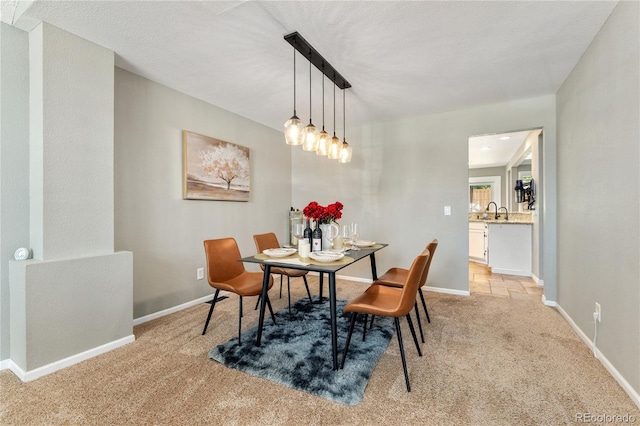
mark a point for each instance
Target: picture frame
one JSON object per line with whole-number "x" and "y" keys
{"x": 213, "y": 169}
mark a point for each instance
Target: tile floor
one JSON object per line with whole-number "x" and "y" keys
{"x": 482, "y": 280}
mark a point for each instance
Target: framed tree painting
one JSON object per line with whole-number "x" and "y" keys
{"x": 213, "y": 169}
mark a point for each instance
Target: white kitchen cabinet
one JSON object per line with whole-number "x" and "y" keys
{"x": 509, "y": 248}
{"x": 478, "y": 242}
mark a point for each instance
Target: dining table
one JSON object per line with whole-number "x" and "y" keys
{"x": 294, "y": 261}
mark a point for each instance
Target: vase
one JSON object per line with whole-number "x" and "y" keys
{"x": 326, "y": 228}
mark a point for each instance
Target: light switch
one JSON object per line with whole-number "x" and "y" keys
{"x": 447, "y": 210}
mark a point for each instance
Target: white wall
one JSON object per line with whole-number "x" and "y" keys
{"x": 404, "y": 172}
{"x": 14, "y": 161}
{"x": 164, "y": 231}
{"x": 598, "y": 156}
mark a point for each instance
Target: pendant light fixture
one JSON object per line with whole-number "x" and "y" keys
{"x": 309, "y": 137}
{"x": 310, "y": 133}
{"x": 334, "y": 145}
{"x": 324, "y": 139}
{"x": 293, "y": 126}
{"x": 345, "y": 151}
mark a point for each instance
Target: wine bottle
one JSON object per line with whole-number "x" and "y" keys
{"x": 308, "y": 232}
{"x": 316, "y": 244}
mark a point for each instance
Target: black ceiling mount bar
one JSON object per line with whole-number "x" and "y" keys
{"x": 312, "y": 55}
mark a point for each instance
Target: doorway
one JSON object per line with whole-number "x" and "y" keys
{"x": 508, "y": 156}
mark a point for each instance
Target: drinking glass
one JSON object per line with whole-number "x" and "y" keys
{"x": 353, "y": 230}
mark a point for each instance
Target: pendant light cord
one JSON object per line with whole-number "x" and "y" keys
{"x": 294, "y": 81}
{"x": 323, "y": 96}
{"x": 344, "y": 115}
{"x": 334, "y": 109}
{"x": 310, "y": 88}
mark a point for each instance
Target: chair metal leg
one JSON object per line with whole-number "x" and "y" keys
{"x": 213, "y": 304}
{"x": 413, "y": 333}
{"x": 364, "y": 327}
{"x": 240, "y": 320}
{"x": 270, "y": 309}
{"x": 289, "y": 294}
{"x": 424, "y": 305}
{"x": 418, "y": 320}
{"x": 404, "y": 361}
{"x": 371, "y": 324}
{"x": 304, "y": 277}
{"x": 258, "y": 302}
{"x": 280, "y": 286}
{"x": 354, "y": 316}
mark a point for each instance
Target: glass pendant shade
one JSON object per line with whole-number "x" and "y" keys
{"x": 334, "y": 148}
{"x": 324, "y": 140}
{"x": 345, "y": 153}
{"x": 293, "y": 131}
{"x": 310, "y": 137}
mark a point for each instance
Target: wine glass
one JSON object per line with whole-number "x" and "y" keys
{"x": 298, "y": 232}
{"x": 332, "y": 233}
{"x": 353, "y": 231}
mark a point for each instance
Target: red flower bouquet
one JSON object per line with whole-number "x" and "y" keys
{"x": 323, "y": 214}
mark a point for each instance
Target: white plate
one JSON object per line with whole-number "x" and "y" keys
{"x": 279, "y": 252}
{"x": 363, "y": 243}
{"x": 325, "y": 256}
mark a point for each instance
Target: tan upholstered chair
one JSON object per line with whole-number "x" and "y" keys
{"x": 269, "y": 241}
{"x": 224, "y": 272}
{"x": 395, "y": 277}
{"x": 393, "y": 302}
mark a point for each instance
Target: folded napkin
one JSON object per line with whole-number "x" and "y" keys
{"x": 289, "y": 261}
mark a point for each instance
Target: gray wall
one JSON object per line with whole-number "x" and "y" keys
{"x": 599, "y": 238}
{"x": 76, "y": 294}
{"x": 404, "y": 172}
{"x": 165, "y": 232}
{"x": 14, "y": 161}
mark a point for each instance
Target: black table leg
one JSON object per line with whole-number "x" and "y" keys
{"x": 374, "y": 272}
{"x": 334, "y": 319}
{"x": 263, "y": 300}
{"x": 321, "y": 287}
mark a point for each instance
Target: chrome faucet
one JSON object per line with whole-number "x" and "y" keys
{"x": 506, "y": 215}
{"x": 489, "y": 205}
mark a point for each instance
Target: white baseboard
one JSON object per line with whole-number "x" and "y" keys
{"x": 448, "y": 291}
{"x": 548, "y": 302}
{"x": 27, "y": 376}
{"x": 517, "y": 272}
{"x": 174, "y": 309}
{"x": 633, "y": 394}
{"x": 537, "y": 280}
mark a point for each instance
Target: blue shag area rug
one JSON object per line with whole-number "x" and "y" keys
{"x": 297, "y": 353}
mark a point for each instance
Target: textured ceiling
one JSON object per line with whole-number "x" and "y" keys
{"x": 402, "y": 58}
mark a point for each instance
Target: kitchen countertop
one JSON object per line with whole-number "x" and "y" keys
{"x": 502, "y": 221}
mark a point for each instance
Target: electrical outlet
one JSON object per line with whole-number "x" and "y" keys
{"x": 200, "y": 273}
{"x": 598, "y": 312}
{"x": 447, "y": 210}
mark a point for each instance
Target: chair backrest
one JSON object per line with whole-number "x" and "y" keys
{"x": 222, "y": 260}
{"x": 411, "y": 284}
{"x": 431, "y": 248}
{"x": 266, "y": 241}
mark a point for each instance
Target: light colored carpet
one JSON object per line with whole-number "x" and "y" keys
{"x": 487, "y": 360}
